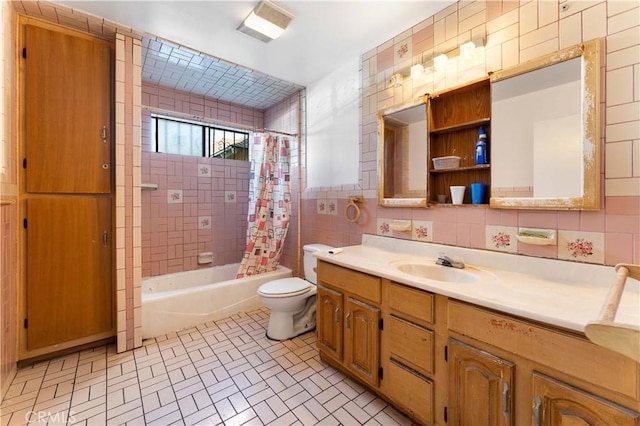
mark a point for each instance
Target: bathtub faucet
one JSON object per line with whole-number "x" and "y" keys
{"x": 445, "y": 260}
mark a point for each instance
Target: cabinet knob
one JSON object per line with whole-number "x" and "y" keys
{"x": 346, "y": 318}
{"x": 336, "y": 315}
{"x": 103, "y": 134}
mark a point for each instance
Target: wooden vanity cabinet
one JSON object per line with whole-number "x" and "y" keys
{"x": 408, "y": 350}
{"x": 444, "y": 361}
{"x": 557, "y": 377}
{"x": 348, "y": 321}
{"x": 480, "y": 387}
{"x": 329, "y": 322}
{"x": 559, "y": 404}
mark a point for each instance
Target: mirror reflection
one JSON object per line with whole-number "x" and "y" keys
{"x": 544, "y": 136}
{"x": 403, "y": 171}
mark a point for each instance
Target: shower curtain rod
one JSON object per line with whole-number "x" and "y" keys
{"x": 276, "y": 131}
{"x": 213, "y": 121}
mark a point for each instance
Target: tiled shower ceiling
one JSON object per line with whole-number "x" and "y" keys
{"x": 177, "y": 67}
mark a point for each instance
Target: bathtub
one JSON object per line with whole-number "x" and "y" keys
{"x": 177, "y": 301}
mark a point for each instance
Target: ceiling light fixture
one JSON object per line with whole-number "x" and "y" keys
{"x": 266, "y": 22}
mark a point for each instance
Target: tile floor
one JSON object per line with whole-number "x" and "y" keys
{"x": 223, "y": 372}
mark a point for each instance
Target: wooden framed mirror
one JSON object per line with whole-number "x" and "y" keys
{"x": 545, "y": 132}
{"x": 402, "y": 147}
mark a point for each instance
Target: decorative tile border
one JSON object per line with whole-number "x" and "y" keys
{"x": 422, "y": 231}
{"x": 204, "y": 222}
{"x": 230, "y": 197}
{"x": 174, "y": 196}
{"x": 581, "y": 246}
{"x": 501, "y": 238}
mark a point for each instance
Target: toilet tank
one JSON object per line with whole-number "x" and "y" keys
{"x": 310, "y": 261}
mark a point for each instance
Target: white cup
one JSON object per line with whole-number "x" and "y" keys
{"x": 457, "y": 194}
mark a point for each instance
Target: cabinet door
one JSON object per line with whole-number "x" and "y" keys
{"x": 480, "y": 387}
{"x": 69, "y": 289}
{"x": 67, "y": 110}
{"x": 329, "y": 322}
{"x": 558, "y": 404}
{"x": 362, "y": 340}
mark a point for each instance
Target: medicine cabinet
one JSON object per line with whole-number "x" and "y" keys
{"x": 402, "y": 147}
{"x": 545, "y": 137}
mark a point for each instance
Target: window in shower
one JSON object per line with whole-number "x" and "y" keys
{"x": 184, "y": 137}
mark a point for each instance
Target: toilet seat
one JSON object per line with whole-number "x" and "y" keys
{"x": 285, "y": 287}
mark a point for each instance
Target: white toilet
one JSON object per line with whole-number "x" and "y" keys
{"x": 293, "y": 300}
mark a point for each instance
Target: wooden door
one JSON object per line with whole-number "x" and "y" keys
{"x": 558, "y": 404}
{"x": 67, "y": 104}
{"x": 480, "y": 387}
{"x": 69, "y": 289}
{"x": 329, "y": 322}
{"x": 362, "y": 340}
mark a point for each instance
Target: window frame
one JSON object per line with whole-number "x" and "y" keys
{"x": 208, "y": 131}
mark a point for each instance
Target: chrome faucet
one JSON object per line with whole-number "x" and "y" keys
{"x": 445, "y": 260}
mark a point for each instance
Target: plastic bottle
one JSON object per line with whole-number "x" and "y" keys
{"x": 481, "y": 147}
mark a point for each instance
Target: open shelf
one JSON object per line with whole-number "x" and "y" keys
{"x": 461, "y": 169}
{"x": 462, "y": 126}
{"x": 455, "y": 117}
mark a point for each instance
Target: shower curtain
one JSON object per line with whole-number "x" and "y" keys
{"x": 269, "y": 203}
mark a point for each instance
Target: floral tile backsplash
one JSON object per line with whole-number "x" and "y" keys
{"x": 204, "y": 222}
{"x": 230, "y": 197}
{"x": 422, "y": 231}
{"x": 581, "y": 246}
{"x": 174, "y": 196}
{"x": 204, "y": 170}
{"x": 384, "y": 227}
{"x": 327, "y": 206}
{"x": 501, "y": 238}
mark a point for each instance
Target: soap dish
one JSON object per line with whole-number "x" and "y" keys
{"x": 537, "y": 237}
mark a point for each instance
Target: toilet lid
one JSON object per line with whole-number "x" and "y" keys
{"x": 285, "y": 286}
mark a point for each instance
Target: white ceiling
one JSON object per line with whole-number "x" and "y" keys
{"x": 323, "y": 35}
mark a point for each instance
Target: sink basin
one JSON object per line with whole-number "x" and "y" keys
{"x": 429, "y": 270}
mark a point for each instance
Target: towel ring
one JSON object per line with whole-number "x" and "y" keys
{"x": 351, "y": 205}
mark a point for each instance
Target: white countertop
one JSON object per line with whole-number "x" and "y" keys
{"x": 561, "y": 293}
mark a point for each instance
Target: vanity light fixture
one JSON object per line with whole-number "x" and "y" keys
{"x": 467, "y": 50}
{"x": 440, "y": 62}
{"x": 266, "y": 22}
{"x": 396, "y": 80}
{"x": 417, "y": 70}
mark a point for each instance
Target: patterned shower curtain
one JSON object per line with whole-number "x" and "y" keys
{"x": 269, "y": 203}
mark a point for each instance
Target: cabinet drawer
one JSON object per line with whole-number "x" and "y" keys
{"x": 415, "y": 303}
{"x": 410, "y": 344}
{"x": 411, "y": 391}
{"x": 356, "y": 283}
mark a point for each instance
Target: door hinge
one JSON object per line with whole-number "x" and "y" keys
{"x": 26, "y": 323}
{"x": 24, "y": 223}
{"x": 381, "y": 324}
{"x": 380, "y": 373}
{"x": 24, "y": 163}
{"x": 446, "y": 415}
{"x": 446, "y": 353}
{"x": 24, "y": 52}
